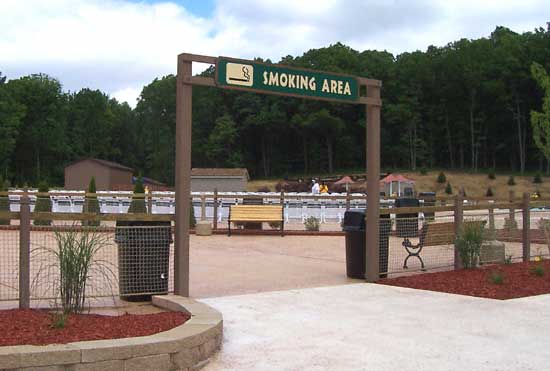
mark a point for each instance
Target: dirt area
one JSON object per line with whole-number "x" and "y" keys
{"x": 518, "y": 280}
{"x": 474, "y": 184}
{"x": 35, "y": 327}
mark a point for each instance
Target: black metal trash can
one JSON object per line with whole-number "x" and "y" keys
{"x": 143, "y": 258}
{"x": 354, "y": 226}
{"x": 406, "y": 225}
{"x": 429, "y": 200}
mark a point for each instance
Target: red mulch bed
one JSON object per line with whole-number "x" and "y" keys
{"x": 34, "y": 327}
{"x": 518, "y": 281}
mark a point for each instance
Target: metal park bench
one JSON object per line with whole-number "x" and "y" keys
{"x": 432, "y": 234}
{"x": 256, "y": 213}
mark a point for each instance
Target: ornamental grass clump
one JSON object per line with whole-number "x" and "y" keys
{"x": 76, "y": 258}
{"x": 312, "y": 224}
{"x": 469, "y": 241}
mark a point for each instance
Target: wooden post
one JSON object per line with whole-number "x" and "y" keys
{"x": 372, "y": 253}
{"x": 203, "y": 207}
{"x": 149, "y": 202}
{"x": 492, "y": 232}
{"x": 348, "y": 200}
{"x": 526, "y": 232}
{"x": 215, "y": 208}
{"x": 24, "y": 252}
{"x": 184, "y": 101}
{"x": 512, "y": 211}
{"x": 458, "y": 215}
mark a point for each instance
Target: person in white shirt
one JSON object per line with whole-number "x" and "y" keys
{"x": 315, "y": 187}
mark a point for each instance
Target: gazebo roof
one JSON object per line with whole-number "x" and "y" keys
{"x": 344, "y": 180}
{"x": 396, "y": 178}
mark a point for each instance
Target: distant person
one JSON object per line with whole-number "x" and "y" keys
{"x": 323, "y": 189}
{"x": 315, "y": 188}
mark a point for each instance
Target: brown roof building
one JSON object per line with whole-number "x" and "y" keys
{"x": 108, "y": 175}
{"x": 222, "y": 179}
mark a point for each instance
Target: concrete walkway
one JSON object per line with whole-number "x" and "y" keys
{"x": 376, "y": 327}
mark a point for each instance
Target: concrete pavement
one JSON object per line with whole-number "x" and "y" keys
{"x": 377, "y": 327}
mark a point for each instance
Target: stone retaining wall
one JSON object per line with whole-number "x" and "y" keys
{"x": 186, "y": 347}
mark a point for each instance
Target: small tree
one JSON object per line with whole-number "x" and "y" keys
{"x": 43, "y": 204}
{"x": 4, "y": 203}
{"x": 449, "y": 189}
{"x": 489, "y": 192}
{"x": 492, "y": 175}
{"x": 441, "y": 178}
{"x": 91, "y": 204}
{"x": 511, "y": 181}
{"x": 423, "y": 170}
{"x": 540, "y": 121}
{"x": 138, "y": 202}
{"x": 537, "y": 179}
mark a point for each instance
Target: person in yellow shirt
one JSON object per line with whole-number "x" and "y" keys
{"x": 323, "y": 188}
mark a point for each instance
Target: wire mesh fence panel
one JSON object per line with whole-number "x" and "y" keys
{"x": 9, "y": 264}
{"x": 540, "y": 233}
{"x": 123, "y": 261}
{"x": 419, "y": 244}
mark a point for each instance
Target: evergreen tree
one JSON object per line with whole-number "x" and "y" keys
{"x": 43, "y": 203}
{"x": 4, "y": 203}
{"x": 91, "y": 204}
{"x": 138, "y": 202}
{"x": 449, "y": 189}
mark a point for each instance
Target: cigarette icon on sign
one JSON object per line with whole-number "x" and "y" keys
{"x": 239, "y": 74}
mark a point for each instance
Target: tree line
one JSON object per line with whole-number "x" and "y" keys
{"x": 466, "y": 105}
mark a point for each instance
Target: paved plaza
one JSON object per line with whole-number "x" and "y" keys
{"x": 377, "y": 327}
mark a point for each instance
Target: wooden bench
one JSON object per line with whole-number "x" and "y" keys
{"x": 256, "y": 213}
{"x": 432, "y": 234}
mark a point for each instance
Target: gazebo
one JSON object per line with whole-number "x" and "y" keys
{"x": 396, "y": 183}
{"x": 345, "y": 180}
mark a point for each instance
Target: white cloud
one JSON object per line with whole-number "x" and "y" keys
{"x": 119, "y": 46}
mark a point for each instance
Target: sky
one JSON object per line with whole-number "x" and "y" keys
{"x": 118, "y": 46}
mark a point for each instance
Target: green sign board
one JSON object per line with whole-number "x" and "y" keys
{"x": 284, "y": 80}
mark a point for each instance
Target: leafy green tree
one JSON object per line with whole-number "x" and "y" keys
{"x": 11, "y": 113}
{"x": 137, "y": 206}
{"x": 327, "y": 127}
{"x": 42, "y": 143}
{"x": 222, "y": 144}
{"x": 540, "y": 121}
{"x": 43, "y": 203}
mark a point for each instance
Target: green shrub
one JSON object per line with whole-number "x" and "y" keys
{"x": 192, "y": 219}
{"x": 508, "y": 259}
{"x": 59, "y": 320}
{"x": 496, "y": 277}
{"x": 4, "y": 203}
{"x": 492, "y": 175}
{"x": 441, "y": 178}
{"x": 449, "y": 189}
{"x": 510, "y": 225}
{"x": 423, "y": 171}
{"x": 469, "y": 241}
{"x": 489, "y": 192}
{"x": 537, "y": 179}
{"x": 537, "y": 270}
{"x": 91, "y": 205}
{"x": 138, "y": 202}
{"x": 511, "y": 181}
{"x": 312, "y": 224}
{"x": 43, "y": 204}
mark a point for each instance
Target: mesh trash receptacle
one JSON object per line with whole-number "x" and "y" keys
{"x": 406, "y": 225}
{"x": 143, "y": 258}
{"x": 354, "y": 226}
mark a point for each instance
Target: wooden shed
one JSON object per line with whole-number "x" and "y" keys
{"x": 223, "y": 179}
{"x": 108, "y": 175}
